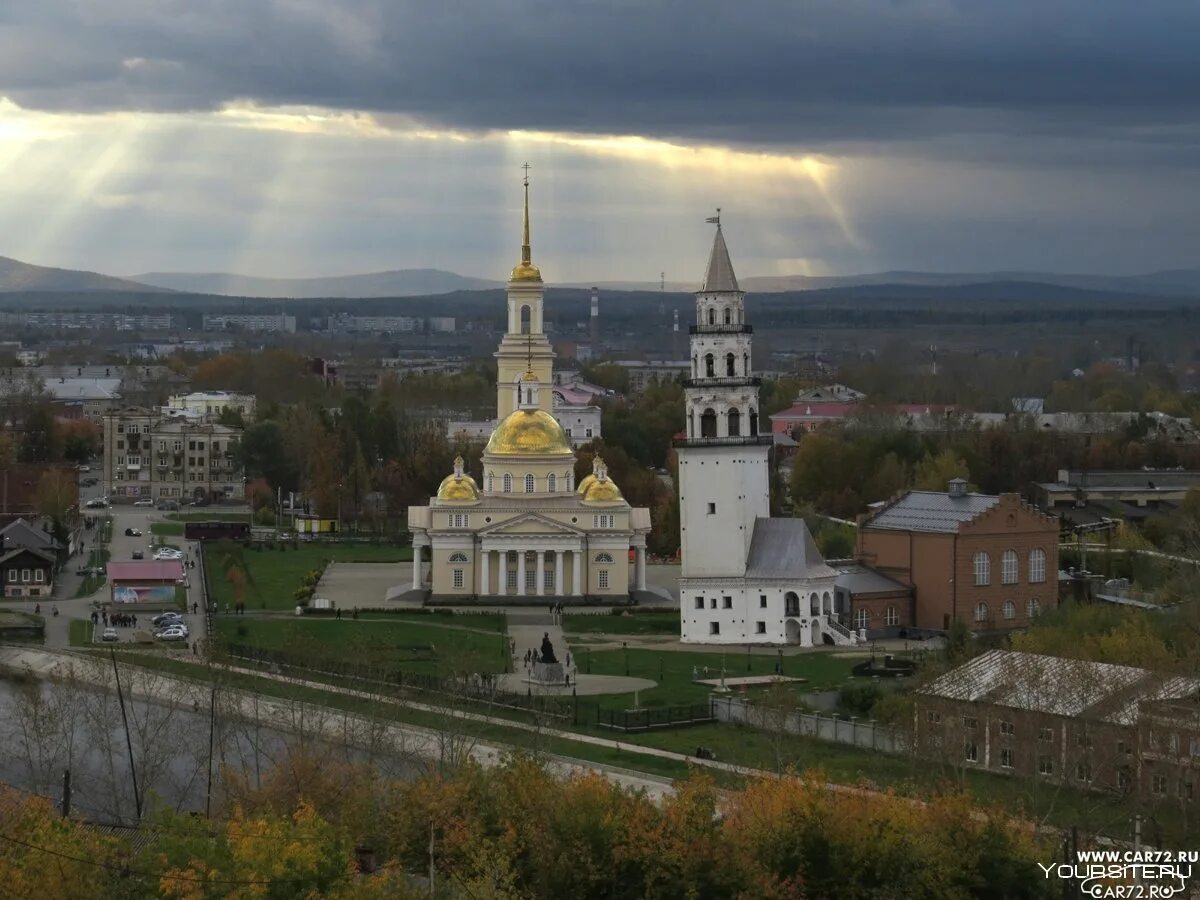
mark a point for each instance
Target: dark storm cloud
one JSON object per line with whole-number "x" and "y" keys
{"x": 840, "y": 73}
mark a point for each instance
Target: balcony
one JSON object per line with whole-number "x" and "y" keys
{"x": 745, "y": 440}
{"x": 723, "y": 381}
{"x": 721, "y": 329}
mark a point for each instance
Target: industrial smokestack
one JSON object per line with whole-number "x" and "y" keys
{"x": 675, "y": 334}
{"x": 595, "y": 319}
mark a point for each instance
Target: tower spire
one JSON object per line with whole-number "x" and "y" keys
{"x": 525, "y": 270}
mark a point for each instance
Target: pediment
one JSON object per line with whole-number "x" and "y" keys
{"x": 529, "y": 523}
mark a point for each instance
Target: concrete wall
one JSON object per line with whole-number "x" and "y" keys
{"x": 866, "y": 734}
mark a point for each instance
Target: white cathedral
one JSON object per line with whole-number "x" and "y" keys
{"x": 746, "y": 578}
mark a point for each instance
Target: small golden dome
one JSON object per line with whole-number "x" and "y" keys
{"x": 458, "y": 487}
{"x": 602, "y": 490}
{"x": 530, "y": 375}
{"x": 587, "y": 482}
{"x": 525, "y": 272}
{"x": 529, "y": 432}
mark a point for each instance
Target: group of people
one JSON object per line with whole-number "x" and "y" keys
{"x": 117, "y": 619}
{"x": 337, "y": 612}
{"x": 556, "y": 613}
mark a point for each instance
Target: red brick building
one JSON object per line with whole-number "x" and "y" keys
{"x": 988, "y": 561}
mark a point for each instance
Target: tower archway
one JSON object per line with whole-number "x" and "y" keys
{"x": 735, "y": 423}
{"x": 708, "y": 423}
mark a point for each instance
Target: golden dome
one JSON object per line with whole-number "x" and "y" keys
{"x": 525, "y": 271}
{"x": 529, "y": 432}
{"x": 458, "y": 487}
{"x": 601, "y": 490}
{"x": 585, "y": 484}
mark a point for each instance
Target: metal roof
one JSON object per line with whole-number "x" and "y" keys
{"x": 784, "y": 548}
{"x": 146, "y": 570}
{"x": 931, "y": 511}
{"x": 1057, "y": 685}
{"x": 719, "y": 274}
{"x": 859, "y": 579}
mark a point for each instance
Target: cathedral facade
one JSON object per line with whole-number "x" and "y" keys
{"x": 528, "y": 533}
{"x": 746, "y": 578}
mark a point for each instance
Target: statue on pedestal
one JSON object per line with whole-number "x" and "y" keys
{"x": 547, "y": 649}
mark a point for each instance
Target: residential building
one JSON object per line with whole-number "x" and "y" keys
{"x": 210, "y": 404}
{"x": 1094, "y": 726}
{"x": 84, "y": 398}
{"x": 645, "y": 372}
{"x": 1128, "y": 494}
{"x": 27, "y": 535}
{"x": 151, "y": 456}
{"x": 27, "y": 572}
{"x": 809, "y": 415}
{"x": 874, "y": 604}
{"x": 990, "y": 562}
{"x": 746, "y": 578}
{"x": 527, "y": 532}
{"x": 98, "y": 321}
{"x": 279, "y": 322}
{"x": 348, "y": 324}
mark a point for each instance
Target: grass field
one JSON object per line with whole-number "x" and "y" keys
{"x": 674, "y": 671}
{"x": 167, "y": 529}
{"x": 209, "y": 516}
{"x": 418, "y": 644}
{"x": 666, "y": 622}
{"x": 275, "y": 574}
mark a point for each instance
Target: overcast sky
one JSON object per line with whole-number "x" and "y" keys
{"x": 309, "y": 137}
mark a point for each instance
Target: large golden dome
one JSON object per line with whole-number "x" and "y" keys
{"x": 529, "y": 432}
{"x": 458, "y": 487}
{"x": 525, "y": 271}
{"x": 601, "y": 490}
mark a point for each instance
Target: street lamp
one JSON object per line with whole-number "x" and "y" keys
{"x": 625, "y": 647}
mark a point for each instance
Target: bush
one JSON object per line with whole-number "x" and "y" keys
{"x": 858, "y": 697}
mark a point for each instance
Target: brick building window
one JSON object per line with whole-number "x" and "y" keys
{"x": 1006, "y": 758}
{"x": 1083, "y": 771}
{"x": 1010, "y": 609}
{"x": 971, "y": 752}
{"x": 1032, "y": 608}
{"x": 934, "y": 718}
{"x": 860, "y": 618}
{"x": 1007, "y": 728}
{"x": 981, "y": 611}
{"x": 892, "y": 617}
{"x": 1045, "y": 765}
{"x": 1008, "y": 567}
{"x": 970, "y": 722}
{"x": 1037, "y": 566}
{"x": 1159, "y": 784}
{"x": 983, "y": 569}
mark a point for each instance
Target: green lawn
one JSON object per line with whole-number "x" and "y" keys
{"x": 275, "y": 574}
{"x": 167, "y": 529}
{"x": 209, "y": 516}
{"x": 666, "y": 622}
{"x": 79, "y": 632}
{"x": 673, "y": 670}
{"x": 417, "y": 644}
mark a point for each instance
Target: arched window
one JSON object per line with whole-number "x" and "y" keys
{"x": 1037, "y": 566}
{"x": 529, "y": 484}
{"x": 892, "y": 617}
{"x": 712, "y": 316}
{"x": 983, "y": 568}
{"x": 730, "y": 365}
{"x": 814, "y": 605}
{"x": 727, "y": 319}
{"x": 551, "y": 483}
{"x": 491, "y": 482}
{"x": 1008, "y": 567}
{"x": 827, "y": 603}
{"x": 526, "y": 319}
{"x": 981, "y": 611}
{"x": 860, "y": 618}
{"x": 745, "y": 363}
{"x": 458, "y": 557}
{"x": 604, "y": 557}
{"x": 507, "y": 483}
{"x": 1010, "y": 609}
{"x": 791, "y": 604}
{"x": 753, "y": 422}
{"x": 1032, "y": 608}
{"x": 570, "y": 478}
{"x": 695, "y": 367}
{"x": 709, "y": 365}
{"x": 708, "y": 423}
{"x": 735, "y": 423}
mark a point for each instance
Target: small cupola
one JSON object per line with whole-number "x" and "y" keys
{"x": 527, "y": 391}
{"x": 957, "y": 487}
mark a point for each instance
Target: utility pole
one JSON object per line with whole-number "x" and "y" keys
{"x": 66, "y": 794}
{"x": 137, "y": 797}
{"x": 212, "y": 727}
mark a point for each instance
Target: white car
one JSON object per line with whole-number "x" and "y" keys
{"x": 174, "y": 633}
{"x": 163, "y": 554}
{"x": 146, "y": 502}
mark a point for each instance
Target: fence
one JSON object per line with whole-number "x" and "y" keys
{"x": 869, "y": 734}
{"x": 656, "y": 717}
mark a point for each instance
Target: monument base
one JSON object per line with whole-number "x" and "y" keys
{"x": 547, "y": 673}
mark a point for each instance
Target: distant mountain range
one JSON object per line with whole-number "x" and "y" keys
{"x": 395, "y": 283}
{"x": 18, "y": 276}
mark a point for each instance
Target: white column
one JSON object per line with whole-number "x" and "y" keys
{"x": 501, "y": 572}
{"x": 640, "y": 567}
{"x": 417, "y": 565}
{"x": 520, "y": 573}
{"x": 558, "y": 573}
{"x": 485, "y": 574}
{"x": 539, "y": 578}
{"x": 577, "y": 573}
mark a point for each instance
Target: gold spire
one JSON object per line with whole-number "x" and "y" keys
{"x": 525, "y": 270}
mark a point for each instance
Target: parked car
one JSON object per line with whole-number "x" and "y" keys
{"x": 178, "y": 633}
{"x": 133, "y": 532}
{"x": 167, "y": 505}
{"x": 85, "y": 468}
{"x": 110, "y": 634}
{"x": 164, "y": 555}
{"x": 137, "y": 554}
{"x": 146, "y": 502}
{"x": 96, "y": 503}
{"x": 166, "y": 618}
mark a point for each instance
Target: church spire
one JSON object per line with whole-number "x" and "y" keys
{"x": 719, "y": 274}
{"x": 525, "y": 270}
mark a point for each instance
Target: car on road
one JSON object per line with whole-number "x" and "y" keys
{"x": 176, "y": 633}
{"x": 168, "y": 553}
{"x": 85, "y": 468}
{"x": 168, "y": 505}
{"x": 110, "y": 634}
{"x": 133, "y": 532}
{"x": 137, "y": 554}
{"x": 85, "y": 571}
{"x": 96, "y": 503}
{"x": 146, "y": 502}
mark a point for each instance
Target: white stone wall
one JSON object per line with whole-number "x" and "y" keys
{"x": 722, "y": 490}
{"x": 738, "y": 622}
